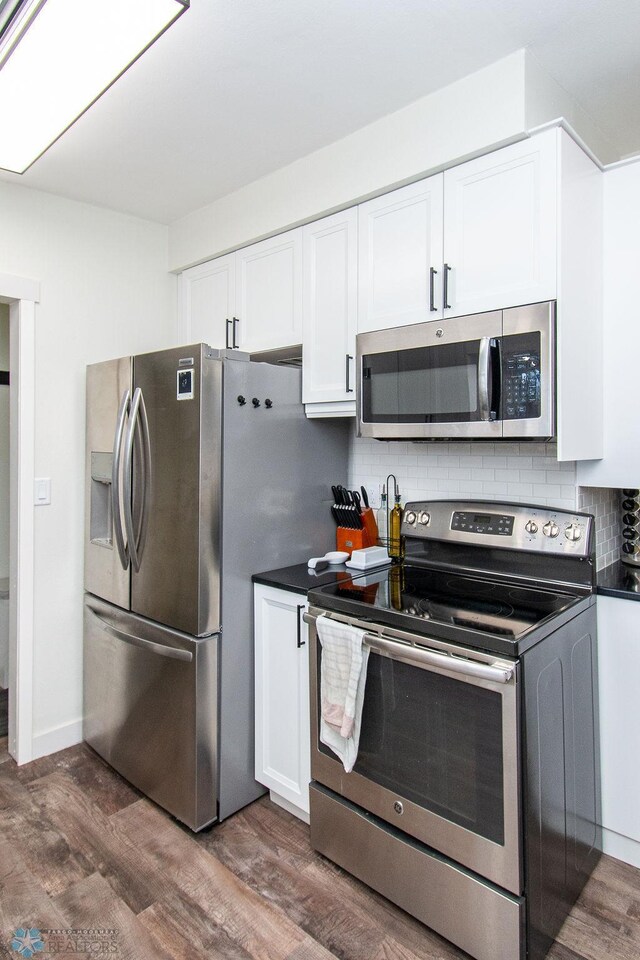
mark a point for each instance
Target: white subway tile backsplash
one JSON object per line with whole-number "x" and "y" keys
{"x": 479, "y": 470}
{"x": 606, "y": 506}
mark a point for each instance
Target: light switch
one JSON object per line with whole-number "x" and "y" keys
{"x": 42, "y": 493}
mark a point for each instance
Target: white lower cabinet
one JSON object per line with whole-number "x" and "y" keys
{"x": 282, "y": 697}
{"x": 618, "y": 671}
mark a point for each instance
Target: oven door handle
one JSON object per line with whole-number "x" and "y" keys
{"x": 430, "y": 658}
{"x": 420, "y": 657}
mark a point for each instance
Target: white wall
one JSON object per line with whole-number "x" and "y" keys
{"x": 105, "y": 291}
{"x": 4, "y": 445}
{"x": 463, "y": 119}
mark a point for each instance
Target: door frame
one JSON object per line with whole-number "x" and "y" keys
{"x": 22, "y": 295}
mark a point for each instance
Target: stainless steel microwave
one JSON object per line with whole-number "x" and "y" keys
{"x": 485, "y": 376}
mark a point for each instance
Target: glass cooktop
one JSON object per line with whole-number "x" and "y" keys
{"x": 444, "y": 597}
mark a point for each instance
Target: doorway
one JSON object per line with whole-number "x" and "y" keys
{"x": 21, "y": 295}
{"x": 4, "y": 519}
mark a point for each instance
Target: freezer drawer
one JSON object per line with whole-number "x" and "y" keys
{"x": 150, "y": 708}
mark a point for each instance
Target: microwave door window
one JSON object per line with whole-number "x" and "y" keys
{"x": 422, "y": 385}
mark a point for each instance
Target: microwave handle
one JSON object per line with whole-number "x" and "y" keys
{"x": 486, "y": 408}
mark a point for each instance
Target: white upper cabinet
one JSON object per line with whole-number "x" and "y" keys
{"x": 330, "y": 304}
{"x": 481, "y": 236}
{"x": 500, "y": 228}
{"x": 207, "y": 302}
{"x": 400, "y": 257}
{"x": 269, "y": 293}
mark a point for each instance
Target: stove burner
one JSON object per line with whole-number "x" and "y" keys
{"x": 475, "y": 587}
{"x": 467, "y": 606}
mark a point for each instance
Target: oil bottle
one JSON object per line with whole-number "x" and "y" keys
{"x": 396, "y": 542}
{"x": 382, "y": 518}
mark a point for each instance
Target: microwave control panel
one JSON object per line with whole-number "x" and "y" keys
{"x": 521, "y": 387}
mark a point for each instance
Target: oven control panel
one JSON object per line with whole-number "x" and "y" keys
{"x": 499, "y": 524}
{"x": 507, "y": 525}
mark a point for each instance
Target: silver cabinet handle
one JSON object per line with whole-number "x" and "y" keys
{"x": 299, "y": 641}
{"x": 138, "y": 413}
{"x": 173, "y": 653}
{"x": 116, "y": 512}
{"x": 348, "y": 389}
{"x": 432, "y": 290}
{"x": 445, "y": 287}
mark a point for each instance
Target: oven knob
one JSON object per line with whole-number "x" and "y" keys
{"x": 410, "y": 517}
{"x": 531, "y": 526}
{"x": 424, "y": 518}
{"x": 572, "y": 532}
{"x": 551, "y": 529}
{"x": 398, "y": 807}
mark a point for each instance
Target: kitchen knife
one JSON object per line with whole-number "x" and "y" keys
{"x": 365, "y": 497}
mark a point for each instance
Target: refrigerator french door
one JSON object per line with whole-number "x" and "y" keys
{"x": 151, "y": 503}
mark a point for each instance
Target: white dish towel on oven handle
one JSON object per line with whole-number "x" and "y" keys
{"x": 343, "y": 674}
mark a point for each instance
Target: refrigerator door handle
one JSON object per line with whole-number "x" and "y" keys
{"x": 116, "y": 512}
{"x": 134, "y": 542}
{"x": 173, "y": 653}
{"x": 142, "y": 424}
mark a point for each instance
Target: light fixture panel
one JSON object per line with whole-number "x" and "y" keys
{"x": 72, "y": 51}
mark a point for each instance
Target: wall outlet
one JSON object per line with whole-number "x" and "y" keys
{"x": 373, "y": 492}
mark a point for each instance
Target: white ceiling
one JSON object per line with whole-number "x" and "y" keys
{"x": 238, "y": 88}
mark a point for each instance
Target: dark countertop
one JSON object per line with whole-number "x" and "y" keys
{"x": 298, "y": 578}
{"x": 619, "y": 580}
{"x": 616, "y": 580}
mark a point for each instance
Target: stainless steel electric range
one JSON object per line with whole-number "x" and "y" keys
{"x": 474, "y": 801}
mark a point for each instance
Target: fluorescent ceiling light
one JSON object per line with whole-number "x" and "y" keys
{"x": 58, "y": 56}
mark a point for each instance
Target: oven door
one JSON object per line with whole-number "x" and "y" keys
{"x": 439, "y": 747}
{"x": 431, "y": 380}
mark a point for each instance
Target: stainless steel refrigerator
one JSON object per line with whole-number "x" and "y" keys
{"x": 201, "y": 469}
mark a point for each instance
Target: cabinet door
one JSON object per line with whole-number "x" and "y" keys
{"x": 500, "y": 228}
{"x": 618, "y": 667}
{"x": 269, "y": 293}
{"x": 207, "y": 302}
{"x": 282, "y": 696}
{"x": 330, "y": 266}
{"x": 400, "y": 257}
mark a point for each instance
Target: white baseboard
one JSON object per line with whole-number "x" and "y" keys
{"x": 622, "y": 848}
{"x": 290, "y": 807}
{"x": 59, "y": 738}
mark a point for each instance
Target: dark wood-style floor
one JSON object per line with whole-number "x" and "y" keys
{"x": 80, "y": 848}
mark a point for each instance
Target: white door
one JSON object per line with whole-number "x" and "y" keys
{"x": 500, "y": 228}
{"x": 400, "y": 257}
{"x": 330, "y": 267}
{"x": 207, "y": 302}
{"x": 282, "y": 695}
{"x": 269, "y": 293}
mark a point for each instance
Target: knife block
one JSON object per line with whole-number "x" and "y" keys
{"x": 350, "y": 540}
